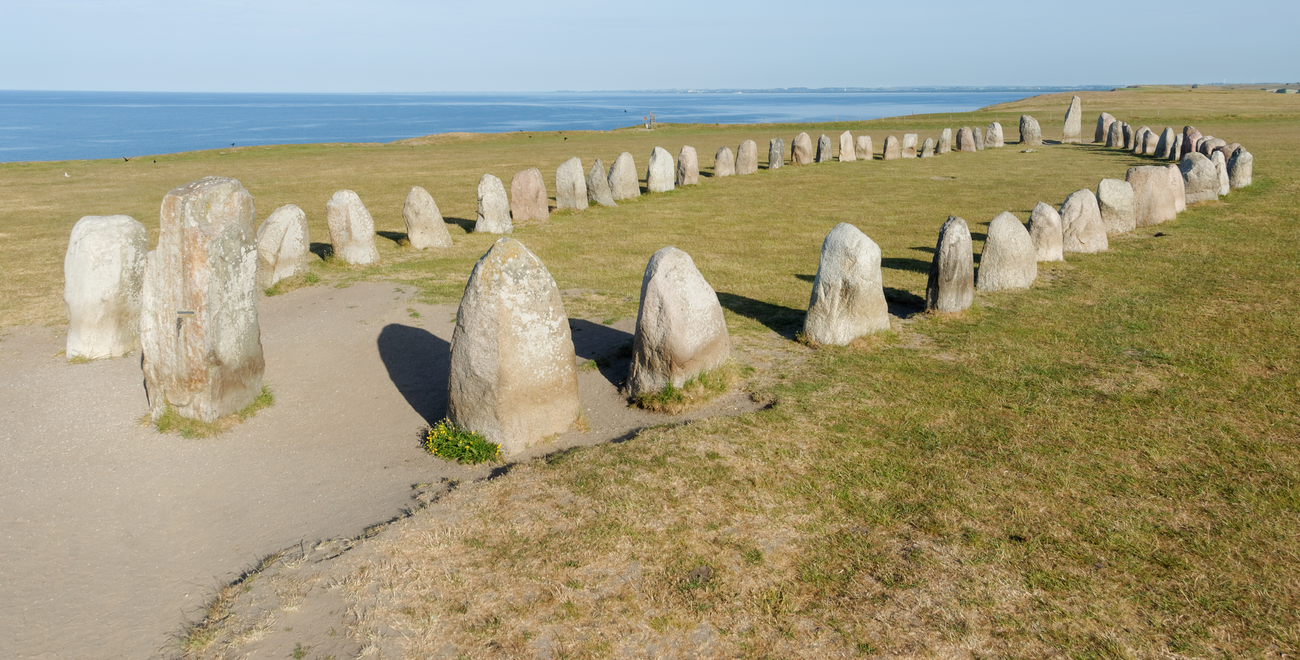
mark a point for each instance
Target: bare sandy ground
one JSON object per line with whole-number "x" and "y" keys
{"x": 113, "y": 536}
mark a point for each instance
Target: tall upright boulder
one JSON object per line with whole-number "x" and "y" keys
{"x": 1046, "y": 233}
{"x": 493, "y": 207}
{"x": 570, "y": 186}
{"x": 1073, "y": 122}
{"x": 1179, "y": 187}
{"x": 680, "y": 329}
{"x": 199, "y": 332}
{"x": 103, "y": 271}
{"x": 352, "y": 230}
{"x": 1165, "y": 144}
{"x": 944, "y": 145}
{"x": 661, "y": 172}
{"x": 862, "y": 145}
{"x": 1115, "y": 135}
{"x": 893, "y": 150}
{"x": 848, "y": 151}
{"x": 746, "y": 158}
{"x": 909, "y": 145}
{"x": 1221, "y": 168}
{"x": 513, "y": 376}
{"x": 724, "y": 164}
{"x": 425, "y": 227}
{"x": 688, "y": 167}
{"x": 927, "y": 148}
{"x": 993, "y": 136}
{"x": 1104, "y": 120}
{"x": 282, "y": 246}
{"x": 1150, "y": 142}
{"x": 1009, "y": 261}
{"x": 951, "y": 286}
{"x": 623, "y": 181}
{"x": 1082, "y": 229}
{"x": 1190, "y": 137}
{"x": 966, "y": 139}
{"x": 1176, "y": 152}
{"x": 1153, "y": 195}
{"x": 528, "y": 199}
{"x": 1115, "y": 199}
{"x": 848, "y": 297}
{"x": 1139, "y": 139}
{"x": 801, "y": 150}
{"x": 598, "y": 191}
{"x": 775, "y": 153}
{"x": 823, "y": 149}
{"x": 979, "y": 138}
{"x": 1241, "y": 168}
{"x": 1129, "y": 133}
{"x": 1200, "y": 178}
{"x": 1030, "y": 133}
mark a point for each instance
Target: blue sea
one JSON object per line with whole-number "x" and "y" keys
{"x": 90, "y": 125}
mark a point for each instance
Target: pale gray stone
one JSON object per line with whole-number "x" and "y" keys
{"x": 1030, "y": 133}
{"x": 688, "y": 167}
{"x": 680, "y": 330}
{"x": 893, "y": 151}
{"x": 848, "y": 152}
{"x": 199, "y": 330}
{"x": 775, "y": 153}
{"x": 1139, "y": 137}
{"x": 848, "y": 297}
{"x": 1176, "y": 152}
{"x": 570, "y": 186}
{"x": 927, "y": 148}
{"x": 623, "y": 182}
{"x": 1221, "y": 169}
{"x": 801, "y": 150}
{"x": 746, "y": 158}
{"x": 1104, "y": 120}
{"x": 1165, "y": 144}
{"x": 979, "y": 138}
{"x": 1129, "y": 133}
{"x": 993, "y": 136}
{"x": 661, "y": 172}
{"x": 1045, "y": 231}
{"x": 1200, "y": 178}
{"x": 1150, "y": 142}
{"x": 1190, "y": 137}
{"x": 425, "y": 227}
{"x": 951, "y": 286}
{"x": 1082, "y": 229}
{"x": 598, "y": 191}
{"x": 1073, "y": 122}
{"x": 102, "y": 274}
{"x": 823, "y": 149}
{"x": 1241, "y": 168}
{"x": 528, "y": 199}
{"x": 862, "y": 144}
{"x": 513, "y": 376}
{"x": 1179, "y": 187}
{"x": 352, "y": 230}
{"x": 909, "y": 145}
{"x": 1115, "y": 135}
{"x": 944, "y": 145}
{"x": 724, "y": 164}
{"x": 1154, "y": 196}
{"x": 1207, "y": 146}
{"x": 283, "y": 245}
{"x": 493, "y": 207}
{"x": 966, "y": 139}
{"x": 1115, "y": 199}
{"x": 1009, "y": 261}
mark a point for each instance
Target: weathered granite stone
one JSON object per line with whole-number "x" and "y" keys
{"x": 862, "y": 144}
{"x": 1176, "y": 152}
{"x": 951, "y": 286}
{"x": 909, "y": 145}
{"x": 528, "y": 200}
{"x": 775, "y": 153}
{"x": 1150, "y": 141}
{"x": 570, "y": 186}
{"x": 1104, "y": 120}
{"x": 1221, "y": 168}
{"x": 927, "y": 148}
{"x": 688, "y": 167}
{"x": 746, "y": 158}
{"x": 199, "y": 332}
{"x": 1030, "y": 133}
{"x": 993, "y": 136}
{"x": 1241, "y": 168}
{"x": 598, "y": 191}
{"x": 493, "y": 207}
{"x": 823, "y": 149}
{"x": 801, "y": 150}
{"x": 283, "y": 245}
{"x": 1073, "y": 122}
{"x": 1139, "y": 138}
{"x": 1179, "y": 187}
{"x": 1190, "y": 137}
{"x": 1165, "y": 144}
{"x": 424, "y": 225}
{"x": 352, "y": 230}
{"x": 1209, "y": 144}
{"x": 945, "y": 142}
{"x": 1045, "y": 231}
{"x": 848, "y": 299}
{"x": 1230, "y": 149}
{"x": 1009, "y": 261}
{"x": 1082, "y": 229}
{"x": 724, "y": 164}
{"x": 893, "y": 151}
{"x": 1129, "y": 132}
{"x": 1115, "y": 199}
{"x": 848, "y": 152}
{"x": 979, "y": 138}
{"x": 623, "y": 182}
{"x": 680, "y": 330}
{"x": 102, "y": 274}
{"x": 1115, "y": 135}
{"x": 1200, "y": 178}
{"x": 513, "y": 376}
{"x": 1154, "y": 196}
{"x": 966, "y": 139}
{"x": 660, "y": 174}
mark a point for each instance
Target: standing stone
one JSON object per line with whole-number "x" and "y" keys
{"x": 198, "y": 324}
{"x": 1115, "y": 135}
{"x": 747, "y": 158}
{"x": 1221, "y": 168}
{"x": 1073, "y": 122}
{"x": 724, "y": 164}
{"x": 966, "y": 139}
{"x": 823, "y": 149}
{"x": 513, "y": 376}
{"x": 102, "y": 274}
{"x": 993, "y": 136}
{"x": 570, "y": 186}
{"x": 1030, "y": 133}
{"x": 1177, "y": 185}
{"x": 1176, "y": 152}
{"x": 528, "y": 200}
{"x": 1104, "y": 120}
{"x": 424, "y": 225}
{"x": 801, "y": 150}
{"x": 680, "y": 330}
{"x": 1115, "y": 199}
{"x": 1009, "y": 261}
{"x": 862, "y": 144}
{"x": 352, "y": 230}
{"x": 1200, "y": 178}
{"x": 775, "y": 153}
{"x": 1139, "y": 137}
{"x": 623, "y": 182}
{"x": 1082, "y": 229}
{"x": 688, "y": 167}
{"x": 1190, "y": 136}
{"x": 493, "y": 207}
{"x": 1209, "y": 144}
{"x": 979, "y": 138}
{"x": 927, "y": 148}
{"x": 659, "y": 175}
{"x": 1045, "y": 231}
{"x": 909, "y": 145}
{"x": 848, "y": 298}
{"x": 1129, "y": 132}
{"x": 945, "y": 142}
{"x": 893, "y": 151}
{"x": 1240, "y": 168}
{"x": 1231, "y": 149}
{"x": 283, "y": 245}
{"x": 1150, "y": 143}
{"x": 1165, "y": 144}
{"x": 598, "y": 191}
{"x": 1154, "y": 196}
{"x": 848, "y": 152}
{"x": 951, "y": 286}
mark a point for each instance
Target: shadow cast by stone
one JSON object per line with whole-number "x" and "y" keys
{"x": 605, "y": 345}
{"x": 784, "y": 321}
{"x": 806, "y": 278}
{"x": 903, "y": 304}
{"x": 394, "y": 236}
{"x": 418, "y": 364}
{"x": 904, "y": 263}
{"x": 466, "y": 225}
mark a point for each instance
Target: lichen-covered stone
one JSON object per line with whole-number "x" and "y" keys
{"x": 746, "y": 158}
{"x": 1082, "y": 229}
{"x": 951, "y": 286}
{"x": 283, "y": 245}
{"x": 724, "y": 164}
{"x": 352, "y": 230}
{"x": 528, "y": 199}
{"x": 623, "y": 181}
{"x": 1241, "y": 168}
{"x": 1154, "y": 196}
{"x": 823, "y": 149}
{"x": 1045, "y": 232}
{"x": 688, "y": 167}
{"x": 680, "y": 329}
{"x": 775, "y": 153}
{"x": 1200, "y": 178}
{"x": 1030, "y": 133}
{"x": 598, "y": 191}
{"x": 848, "y": 298}
{"x": 1009, "y": 261}
{"x": 993, "y": 136}
{"x": 570, "y": 186}
{"x": 1073, "y": 122}
{"x": 103, "y": 271}
{"x": 493, "y": 207}
{"x": 661, "y": 172}
{"x": 1115, "y": 199}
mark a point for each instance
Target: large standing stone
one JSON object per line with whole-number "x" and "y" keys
{"x": 493, "y": 207}
{"x": 352, "y": 230}
{"x": 862, "y": 144}
{"x": 1179, "y": 187}
{"x": 528, "y": 200}
{"x": 513, "y": 376}
{"x": 102, "y": 274}
{"x": 1104, "y": 120}
{"x": 1221, "y": 168}
{"x": 680, "y": 330}
{"x": 1190, "y": 137}
{"x": 1115, "y": 135}
{"x": 1150, "y": 143}
{"x": 775, "y": 153}
{"x": 993, "y": 136}
{"x": 283, "y": 245}
{"x": 823, "y": 149}
{"x": 848, "y": 152}
{"x": 1030, "y": 133}
{"x": 659, "y": 175}
{"x": 1165, "y": 144}
{"x": 1139, "y": 136}
{"x": 909, "y": 145}
{"x": 724, "y": 164}
{"x": 927, "y": 148}
{"x": 598, "y": 191}
{"x": 893, "y": 150}
{"x": 623, "y": 182}
{"x": 1154, "y": 196}
{"x": 979, "y": 138}
{"x": 1209, "y": 144}
{"x": 801, "y": 150}
{"x": 1009, "y": 261}
{"x": 1082, "y": 229}
{"x": 1073, "y": 122}
{"x": 1129, "y": 132}
{"x": 951, "y": 286}
{"x": 1045, "y": 231}
{"x": 945, "y": 142}
{"x": 688, "y": 167}
{"x": 1200, "y": 178}
{"x": 1176, "y": 152}
{"x": 198, "y": 325}
{"x": 966, "y": 139}
{"x": 747, "y": 158}
{"x": 570, "y": 186}
{"x": 848, "y": 298}
{"x": 425, "y": 227}
{"x": 1115, "y": 199}
{"x": 1240, "y": 168}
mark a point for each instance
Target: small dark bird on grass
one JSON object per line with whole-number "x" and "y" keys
{"x": 125, "y": 159}
{"x": 566, "y": 138}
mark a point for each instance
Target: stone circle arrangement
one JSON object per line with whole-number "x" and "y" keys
{"x": 190, "y": 305}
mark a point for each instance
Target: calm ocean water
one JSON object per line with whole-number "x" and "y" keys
{"x": 77, "y": 125}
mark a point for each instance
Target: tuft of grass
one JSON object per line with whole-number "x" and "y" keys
{"x": 446, "y": 440}
{"x": 171, "y": 420}
{"x": 290, "y": 283}
{"x": 79, "y": 359}
{"x": 696, "y": 391}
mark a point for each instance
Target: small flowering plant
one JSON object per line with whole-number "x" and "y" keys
{"x": 446, "y": 440}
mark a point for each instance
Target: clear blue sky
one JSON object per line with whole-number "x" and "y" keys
{"x": 515, "y": 45}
